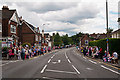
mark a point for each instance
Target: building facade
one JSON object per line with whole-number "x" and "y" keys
{"x": 84, "y": 40}
{"x": 28, "y": 33}
{"x": 0, "y": 25}
{"x": 116, "y": 34}
{"x": 10, "y": 23}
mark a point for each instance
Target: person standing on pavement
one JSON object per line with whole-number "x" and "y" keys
{"x": 19, "y": 54}
{"x": 90, "y": 51}
{"x": 23, "y": 53}
{"x": 115, "y": 57}
{"x": 84, "y": 51}
{"x": 105, "y": 57}
{"x": 100, "y": 53}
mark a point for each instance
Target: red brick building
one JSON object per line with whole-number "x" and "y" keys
{"x": 98, "y": 36}
{"x": 10, "y": 23}
{"x": 28, "y": 33}
{"x": 84, "y": 40}
{"x": 0, "y": 25}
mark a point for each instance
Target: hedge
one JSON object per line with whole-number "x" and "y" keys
{"x": 26, "y": 43}
{"x": 114, "y": 44}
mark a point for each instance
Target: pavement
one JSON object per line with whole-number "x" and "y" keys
{"x": 117, "y": 66}
{"x": 61, "y": 65}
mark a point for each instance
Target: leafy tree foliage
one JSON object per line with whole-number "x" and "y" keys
{"x": 57, "y": 40}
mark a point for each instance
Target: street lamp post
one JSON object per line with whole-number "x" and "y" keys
{"x": 43, "y": 39}
{"x": 107, "y": 25}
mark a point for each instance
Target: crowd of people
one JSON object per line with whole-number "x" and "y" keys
{"x": 26, "y": 52}
{"x": 97, "y": 52}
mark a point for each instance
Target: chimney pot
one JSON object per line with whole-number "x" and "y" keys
{"x": 5, "y": 8}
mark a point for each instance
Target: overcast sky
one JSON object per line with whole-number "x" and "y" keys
{"x": 87, "y": 16}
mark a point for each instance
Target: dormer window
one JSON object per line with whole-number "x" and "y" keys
{"x": 13, "y": 29}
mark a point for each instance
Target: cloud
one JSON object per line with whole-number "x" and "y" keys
{"x": 43, "y": 7}
{"x": 68, "y": 17}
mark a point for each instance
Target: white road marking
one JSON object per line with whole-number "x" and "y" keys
{"x": 92, "y": 62}
{"x": 59, "y": 61}
{"x": 75, "y": 69}
{"x": 110, "y": 69}
{"x": 44, "y": 68}
{"x": 4, "y": 64}
{"x": 52, "y": 56}
{"x": 66, "y": 55}
{"x": 50, "y": 78}
{"x": 89, "y": 69}
{"x": 56, "y": 62}
{"x": 84, "y": 57}
{"x": 69, "y": 61}
{"x": 61, "y": 71}
{"x": 49, "y": 60}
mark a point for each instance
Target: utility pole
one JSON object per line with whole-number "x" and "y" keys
{"x": 107, "y": 25}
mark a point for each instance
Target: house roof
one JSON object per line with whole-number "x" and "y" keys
{"x": 7, "y": 14}
{"x": 83, "y": 37}
{"x": 29, "y": 25}
{"x": 116, "y": 31}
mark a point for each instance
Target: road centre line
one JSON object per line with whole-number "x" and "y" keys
{"x": 75, "y": 69}
{"x": 49, "y": 60}
{"x": 69, "y": 61}
{"x": 61, "y": 71}
{"x": 110, "y": 69}
{"x": 66, "y": 55}
{"x": 52, "y": 56}
{"x": 43, "y": 69}
{"x": 92, "y": 62}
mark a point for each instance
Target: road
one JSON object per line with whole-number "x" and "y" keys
{"x": 66, "y": 63}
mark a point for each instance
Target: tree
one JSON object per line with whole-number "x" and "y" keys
{"x": 76, "y": 38}
{"x": 57, "y": 40}
{"x": 65, "y": 39}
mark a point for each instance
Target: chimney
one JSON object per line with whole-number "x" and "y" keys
{"x": 20, "y": 18}
{"x": 5, "y": 8}
{"x": 53, "y": 34}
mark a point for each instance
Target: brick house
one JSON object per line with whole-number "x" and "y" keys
{"x": 0, "y": 25}
{"x": 84, "y": 40}
{"x": 10, "y": 23}
{"x": 28, "y": 33}
{"x": 98, "y": 36}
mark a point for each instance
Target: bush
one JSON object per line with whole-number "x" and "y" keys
{"x": 114, "y": 44}
{"x": 26, "y": 43}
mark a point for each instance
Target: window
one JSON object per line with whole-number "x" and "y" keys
{"x": 36, "y": 37}
{"x": 0, "y": 27}
{"x": 13, "y": 29}
{"x": 86, "y": 41}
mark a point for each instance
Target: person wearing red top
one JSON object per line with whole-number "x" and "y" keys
{"x": 10, "y": 53}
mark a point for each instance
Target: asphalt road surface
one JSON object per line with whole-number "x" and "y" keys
{"x": 64, "y": 64}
